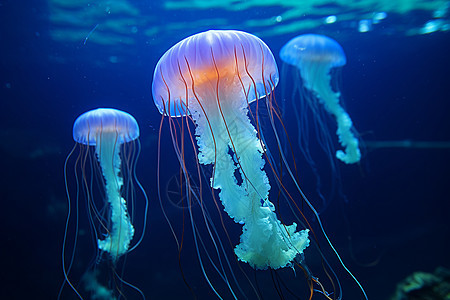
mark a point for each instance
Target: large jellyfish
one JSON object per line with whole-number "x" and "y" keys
{"x": 213, "y": 76}
{"x": 113, "y": 136}
{"x": 315, "y": 56}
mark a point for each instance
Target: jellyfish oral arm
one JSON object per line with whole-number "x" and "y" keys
{"x": 265, "y": 242}
{"x": 317, "y": 79}
{"x": 118, "y": 240}
{"x": 352, "y": 154}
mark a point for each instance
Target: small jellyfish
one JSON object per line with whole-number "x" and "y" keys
{"x": 316, "y": 95}
{"x": 315, "y": 56}
{"x": 107, "y": 181}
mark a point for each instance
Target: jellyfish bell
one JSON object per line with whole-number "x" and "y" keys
{"x": 313, "y": 49}
{"x": 108, "y": 146}
{"x": 314, "y": 56}
{"x": 232, "y": 60}
{"x": 105, "y": 125}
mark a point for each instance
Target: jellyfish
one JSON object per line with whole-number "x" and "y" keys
{"x": 213, "y": 76}
{"x": 315, "y": 56}
{"x": 113, "y": 136}
{"x": 210, "y": 80}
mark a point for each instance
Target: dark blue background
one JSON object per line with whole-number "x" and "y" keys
{"x": 395, "y": 88}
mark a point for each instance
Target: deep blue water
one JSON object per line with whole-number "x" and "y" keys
{"x": 397, "y": 200}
